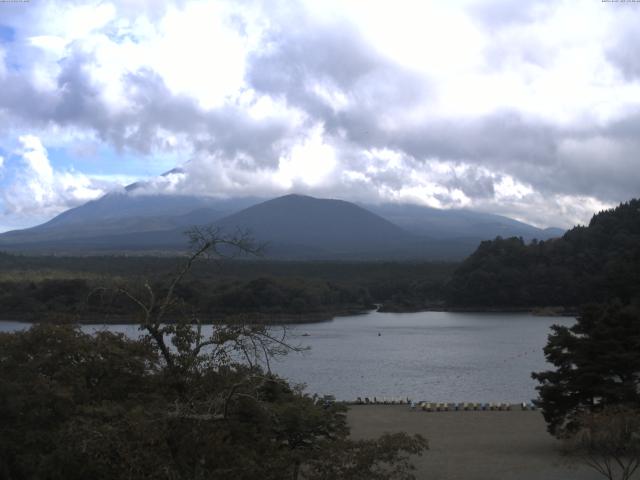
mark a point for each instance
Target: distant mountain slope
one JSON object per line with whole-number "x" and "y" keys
{"x": 295, "y": 226}
{"x": 115, "y": 206}
{"x": 319, "y": 226}
{"x": 587, "y": 264}
{"x": 438, "y": 223}
{"x": 121, "y": 213}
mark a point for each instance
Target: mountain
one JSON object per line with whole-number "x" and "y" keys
{"x": 595, "y": 263}
{"x": 305, "y": 226}
{"x": 120, "y": 213}
{"x": 458, "y": 223}
{"x": 294, "y": 226}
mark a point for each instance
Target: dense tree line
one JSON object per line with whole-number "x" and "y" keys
{"x": 594, "y": 263}
{"x": 64, "y": 288}
{"x": 82, "y": 299}
{"x": 276, "y": 295}
{"x": 35, "y": 267}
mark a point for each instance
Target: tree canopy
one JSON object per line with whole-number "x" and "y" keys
{"x": 597, "y": 364}
{"x": 587, "y": 264}
{"x": 173, "y": 404}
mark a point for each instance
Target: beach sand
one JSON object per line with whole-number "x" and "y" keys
{"x": 474, "y": 445}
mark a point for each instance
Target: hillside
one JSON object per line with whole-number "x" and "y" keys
{"x": 120, "y": 221}
{"x": 593, "y": 263}
{"x": 301, "y": 225}
{"x": 121, "y": 213}
{"x": 458, "y": 223}
{"x": 294, "y": 226}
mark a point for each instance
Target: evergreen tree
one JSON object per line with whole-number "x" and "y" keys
{"x": 597, "y": 364}
{"x": 587, "y": 264}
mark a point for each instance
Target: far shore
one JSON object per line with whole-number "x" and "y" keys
{"x": 474, "y": 445}
{"x": 546, "y": 311}
{"x": 252, "y": 318}
{"x": 279, "y": 318}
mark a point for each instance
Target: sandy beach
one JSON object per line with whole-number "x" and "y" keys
{"x": 474, "y": 445}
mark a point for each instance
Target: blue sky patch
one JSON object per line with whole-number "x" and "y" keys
{"x": 106, "y": 161}
{"x": 7, "y": 34}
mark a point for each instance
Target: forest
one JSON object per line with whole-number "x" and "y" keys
{"x": 177, "y": 404}
{"x": 81, "y": 289}
{"x": 173, "y": 403}
{"x": 593, "y": 263}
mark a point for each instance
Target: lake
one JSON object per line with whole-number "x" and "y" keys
{"x": 434, "y": 356}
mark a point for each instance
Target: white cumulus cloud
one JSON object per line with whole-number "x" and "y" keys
{"x": 525, "y": 108}
{"x": 36, "y": 188}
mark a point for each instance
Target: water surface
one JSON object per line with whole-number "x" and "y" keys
{"x": 436, "y": 356}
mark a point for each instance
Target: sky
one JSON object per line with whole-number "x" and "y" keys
{"x": 525, "y": 109}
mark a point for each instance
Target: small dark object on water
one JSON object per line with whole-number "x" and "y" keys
{"x": 379, "y": 334}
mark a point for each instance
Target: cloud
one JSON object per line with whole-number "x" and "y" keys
{"x": 35, "y": 188}
{"x": 153, "y": 118}
{"x": 529, "y": 109}
{"x": 622, "y": 46}
{"x": 508, "y": 141}
{"x": 331, "y": 73}
{"x": 506, "y": 13}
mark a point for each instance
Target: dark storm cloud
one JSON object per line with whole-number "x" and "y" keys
{"x": 305, "y": 58}
{"x": 623, "y": 49}
{"x": 19, "y": 99}
{"x": 377, "y": 91}
{"x": 152, "y": 109}
{"x": 473, "y": 183}
{"x": 496, "y": 139}
{"x": 228, "y": 130}
{"x": 588, "y": 160}
{"x": 328, "y": 72}
{"x": 554, "y": 159}
{"x": 304, "y": 51}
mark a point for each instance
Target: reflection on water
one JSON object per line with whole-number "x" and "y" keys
{"x": 437, "y": 356}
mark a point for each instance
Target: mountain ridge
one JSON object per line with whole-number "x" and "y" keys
{"x": 295, "y": 226}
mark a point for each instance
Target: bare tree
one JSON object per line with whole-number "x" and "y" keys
{"x": 185, "y": 349}
{"x": 175, "y": 403}
{"x": 609, "y": 441}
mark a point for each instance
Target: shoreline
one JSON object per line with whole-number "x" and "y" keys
{"x": 280, "y": 319}
{"x": 545, "y": 311}
{"x": 252, "y": 318}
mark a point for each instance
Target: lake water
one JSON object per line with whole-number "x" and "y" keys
{"x": 435, "y": 356}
